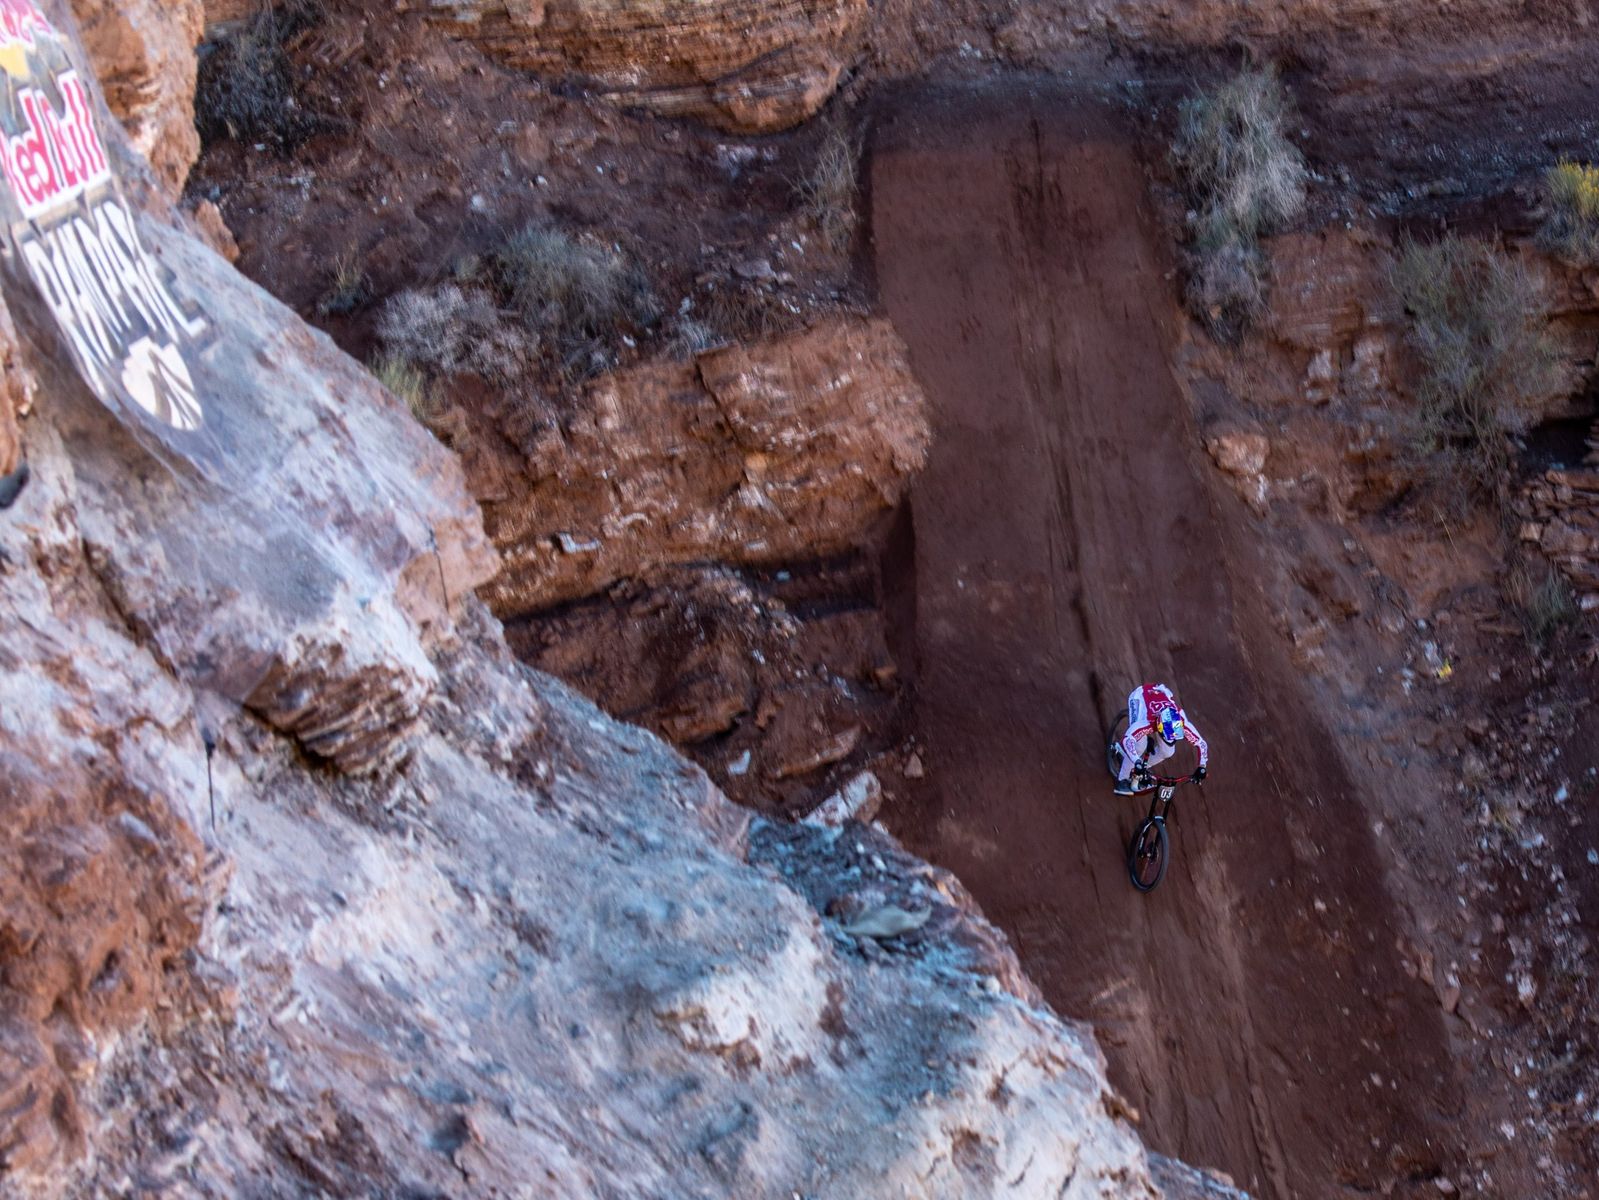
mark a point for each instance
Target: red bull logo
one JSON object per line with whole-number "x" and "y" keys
{"x": 76, "y": 238}
{"x": 20, "y": 20}
{"x": 57, "y": 156}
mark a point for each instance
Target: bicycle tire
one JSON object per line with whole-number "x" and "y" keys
{"x": 1141, "y": 852}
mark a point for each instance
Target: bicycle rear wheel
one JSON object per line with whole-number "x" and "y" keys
{"x": 1147, "y": 855}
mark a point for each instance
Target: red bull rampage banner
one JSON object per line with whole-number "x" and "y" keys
{"x": 76, "y": 237}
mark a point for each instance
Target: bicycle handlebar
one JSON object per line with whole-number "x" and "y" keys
{"x": 1172, "y": 781}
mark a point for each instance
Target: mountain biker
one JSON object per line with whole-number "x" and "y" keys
{"x": 1154, "y": 723}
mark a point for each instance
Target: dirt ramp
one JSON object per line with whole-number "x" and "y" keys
{"x": 1067, "y": 547}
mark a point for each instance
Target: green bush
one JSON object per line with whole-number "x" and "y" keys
{"x": 1244, "y": 178}
{"x": 1571, "y": 212}
{"x": 1477, "y": 327}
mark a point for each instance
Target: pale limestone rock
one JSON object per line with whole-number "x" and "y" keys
{"x": 857, "y": 800}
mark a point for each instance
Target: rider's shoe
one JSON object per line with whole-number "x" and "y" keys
{"x": 1125, "y": 787}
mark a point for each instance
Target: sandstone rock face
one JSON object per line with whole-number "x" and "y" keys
{"x": 227, "y": 12}
{"x": 102, "y": 784}
{"x": 535, "y": 953}
{"x": 780, "y": 451}
{"x": 1563, "y": 512}
{"x": 17, "y": 389}
{"x": 752, "y": 66}
{"x": 143, "y": 53}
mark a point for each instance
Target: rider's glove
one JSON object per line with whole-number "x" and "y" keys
{"x": 1199, "y": 775}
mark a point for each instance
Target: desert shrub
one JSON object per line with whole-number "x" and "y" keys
{"x": 406, "y": 382}
{"x": 348, "y": 289}
{"x": 450, "y": 329}
{"x": 745, "y": 311}
{"x": 1571, "y": 212}
{"x": 1477, "y": 328}
{"x": 690, "y": 337}
{"x": 578, "y": 297}
{"x": 827, "y": 192}
{"x": 244, "y": 87}
{"x": 1244, "y": 178}
{"x": 1545, "y": 601}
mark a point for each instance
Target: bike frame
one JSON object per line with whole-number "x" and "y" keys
{"x": 1165, "y": 792}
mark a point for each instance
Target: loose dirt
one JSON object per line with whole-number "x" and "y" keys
{"x": 1067, "y": 547}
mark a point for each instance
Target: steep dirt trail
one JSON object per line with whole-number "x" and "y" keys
{"x": 1066, "y": 547}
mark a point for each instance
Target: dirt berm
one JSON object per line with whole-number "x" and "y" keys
{"x": 1067, "y": 546}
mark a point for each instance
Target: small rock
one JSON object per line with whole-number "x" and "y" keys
{"x": 914, "y": 768}
{"x": 739, "y": 765}
{"x": 887, "y": 921}
{"x": 141, "y": 835}
{"x": 756, "y": 269}
{"x": 857, "y": 800}
{"x": 573, "y": 545}
{"x": 1239, "y": 453}
{"x": 1445, "y": 1185}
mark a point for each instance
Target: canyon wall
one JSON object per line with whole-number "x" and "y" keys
{"x": 316, "y": 888}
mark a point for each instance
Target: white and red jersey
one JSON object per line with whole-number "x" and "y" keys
{"x": 1144, "y": 707}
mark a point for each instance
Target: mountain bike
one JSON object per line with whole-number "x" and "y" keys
{"x": 1149, "y": 849}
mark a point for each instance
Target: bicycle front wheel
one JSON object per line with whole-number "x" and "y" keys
{"x": 1147, "y": 854}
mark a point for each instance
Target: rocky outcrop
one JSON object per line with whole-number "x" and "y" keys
{"x": 784, "y": 450}
{"x": 1331, "y": 376}
{"x": 143, "y": 53}
{"x": 17, "y": 389}
{"x": 768, "y": 680}
{"x": 227, "y": 12}
{"x": 1562, "y": 511}
{"x": 102, "y": 789}
{"x": 752, "y": 66}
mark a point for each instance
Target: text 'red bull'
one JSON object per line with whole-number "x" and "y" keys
{"x": 58, "y": 156}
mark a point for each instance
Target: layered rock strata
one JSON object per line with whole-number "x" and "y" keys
{"x": 779, "y": 451}
{"x": 1563, "y": 521}
{"x": 751, "y": 66}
